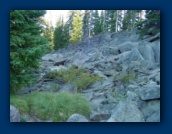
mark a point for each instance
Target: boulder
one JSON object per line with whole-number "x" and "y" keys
{"x": 107, "y": 51}
{"x": 98, "y": 116}
{"x": 50, "y": 57}
{"x": 155, "y": 117}
{"x": 126, "y": 46}
{"x": 151, "y": 111}
{"x": 126, "y": 112}
{"x": 149, "y": 92}
{"x": 14, "y": 114}
{"x": 136, "y": 56}
{"x": 147, "y": 52}
{"x": 156, "y": 48}
{"x": 131, "y": 96}
{"x": 77, "y": 118}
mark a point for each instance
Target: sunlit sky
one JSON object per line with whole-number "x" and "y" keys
{"x": 53, "y": 15}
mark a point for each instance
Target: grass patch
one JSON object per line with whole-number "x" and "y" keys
{"x": 78, "y": 76}
{"x": 20, "y": 103}
{"x": 50, "y": 105}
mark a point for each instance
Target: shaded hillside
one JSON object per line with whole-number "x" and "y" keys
{"x": 123, "y": 73}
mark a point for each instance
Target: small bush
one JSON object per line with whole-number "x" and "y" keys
{"x": 78, "y": 76}
{"x": 124, "y": 78}
{"x": 50, "y": 105}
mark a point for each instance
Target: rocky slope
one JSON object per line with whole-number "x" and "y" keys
{"x": 130, "y": 72}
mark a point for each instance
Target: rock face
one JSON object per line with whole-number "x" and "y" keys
{"x": 14, "y": 114}
{"x": 130, "y": 72}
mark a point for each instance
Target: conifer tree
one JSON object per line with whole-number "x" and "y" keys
{"x": 48, "y": 31}
{"x": 96, "y": 22}
{"x": 86, "y": 22}
{"x": 151, "y": 25}
{"x": 112, "y": 20}
{"x": 58, "y": 34}
{"x": 130, "y": 19}
{"x": 76, "y": 32}
{"x": 102, "y": 20}
{"x": 71, "y": 15}
{"x": 26, "y": 46}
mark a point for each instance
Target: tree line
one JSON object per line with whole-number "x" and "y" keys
{"x": 31, "y": 35}
{"x": 92, "y": 22}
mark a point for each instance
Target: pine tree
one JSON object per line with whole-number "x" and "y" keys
{"x": 48, "y": 31}
{"x": 112, "y": 20}
{"x": 76, "y": 33}
{"x": 130, "y": 19}
{"x": 26, "y": 46}
{"x": 102, "y": 20}
{"x": 58, "y": 34}
{"x": 106, "y": 16}
{"x": 151, "y": 25}
{"x": 65, "y": 34}
{"x": 71, "y": 15}
{"x": 96, "y": 22}
{"x": 86, "y": 23}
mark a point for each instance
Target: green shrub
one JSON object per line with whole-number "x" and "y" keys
{"x": 124, "y": 78}
{"x": 50, "y": 105}
{"x": 78, "y": 76}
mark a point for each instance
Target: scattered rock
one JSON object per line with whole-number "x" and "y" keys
{"x": 110, "y": 55}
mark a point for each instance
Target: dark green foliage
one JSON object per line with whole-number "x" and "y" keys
{"x": 86, "y": 22}
{"x": 58, "y": 35}
{"x": 151, "y": 25}
{"x": 61, "y": 35}
{"x": 96, "y": 22}
{"x": 26, "y": 46}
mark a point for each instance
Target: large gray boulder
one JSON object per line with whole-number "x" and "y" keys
{"x": 131, "y": 96}
{"x": 126, "y": 46}
{"x": 136, "y": 55}
{"x": 156, "y": 48}
{"x": 14, "y": 114}
{"x": 149, "y": 92}
{"x": 126, "y": 112}
{"x": 151, "y": 111}
{"x": 147, "y": 52}
{"x": 77, "y": 118}
{"x": 107, "y": 51}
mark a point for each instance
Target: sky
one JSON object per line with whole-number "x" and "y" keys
{"x": 53, "y": 15}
